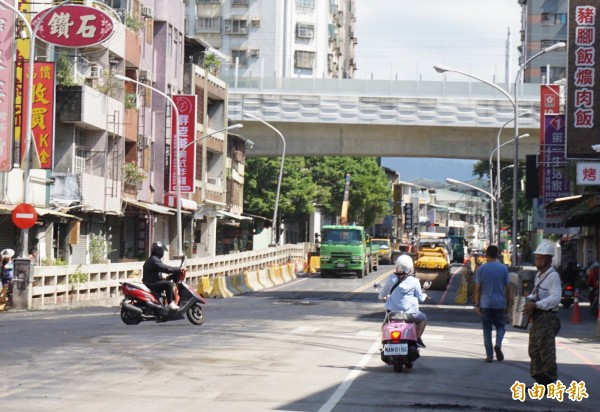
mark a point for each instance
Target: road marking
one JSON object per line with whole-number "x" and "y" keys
{"x": 365, "y": 287}
{"x": 345, "y": 385}
{"x": 562, "y": 343}
{"x": 305, "y": 329}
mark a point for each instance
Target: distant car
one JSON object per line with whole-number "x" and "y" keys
{"x": 383, "y": 248}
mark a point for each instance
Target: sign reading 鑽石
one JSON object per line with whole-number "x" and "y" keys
{"x": 556, "y": 182}
{"x": 588, "y": 173}
{"x": 549, "y": 104}
{"x": 73, "y": 26}
{"x": 186, "y": 105}
{"x": 42, "y": 118}
{"x": 582, "y": 101}
{"x": 7, "y": 32}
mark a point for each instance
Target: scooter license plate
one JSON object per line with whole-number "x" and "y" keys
{"x": 390, "y": 349}
{"x": 568, "y": 293}
{"x": 341, "y": 265}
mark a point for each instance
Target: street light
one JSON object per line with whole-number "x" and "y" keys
{"x": 497, "y": 149}
{"x": 177, "y": 157}
{"x": 514, "y": 102}
{"x": 28, "y": 133}
{"x": 280, "y": 174}
{"x": 458, "y": 182}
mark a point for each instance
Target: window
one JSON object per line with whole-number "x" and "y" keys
{"x": 306, "y": 31}
{"x": 239, "y": 2}
{"x": 208, "y": 25}
{"x": 556, "y": 73}
{"x": 560, "y": 18}
{"x": 307, "y": 4}
{"x": 547, "y": 43}
{"x": 170, "y": 40}
{"x": 235, "y": 26}
{"x": 304, "y": 59}
{"x": 208, "y": 1}
{"x": 242, "y": 55}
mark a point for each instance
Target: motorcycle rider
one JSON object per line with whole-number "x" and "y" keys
{"x": 154, "y": 274}
{"x": 402, "y": 293}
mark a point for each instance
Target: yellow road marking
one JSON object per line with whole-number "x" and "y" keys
{"x": 367, "y": 286}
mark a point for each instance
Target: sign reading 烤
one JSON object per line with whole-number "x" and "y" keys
{"x": 42, "y": 118}
{"x": 7, "y": 29}
{"x": 186, "y": 105}
{"x": 588, "y": 173}
{"x": 73, "y": 26}
{"x": 583, "y": 104}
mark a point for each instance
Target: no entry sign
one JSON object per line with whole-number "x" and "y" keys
{"x": 24, "y": 216}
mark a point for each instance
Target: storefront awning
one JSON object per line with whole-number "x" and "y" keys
{"x": 151, "y": 207}
{"x": 223, "y": 213}
{"x": 43, "y": 212}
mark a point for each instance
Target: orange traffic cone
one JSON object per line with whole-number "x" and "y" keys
{"x": 575, "y": 313}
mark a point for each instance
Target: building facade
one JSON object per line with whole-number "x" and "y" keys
{"x": 278, "y": 38}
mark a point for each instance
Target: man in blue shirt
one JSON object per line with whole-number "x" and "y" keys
{"x": 492, "y": 292}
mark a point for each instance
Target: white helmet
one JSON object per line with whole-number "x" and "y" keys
{"x": 546, "y": 247}
{"x": 404, "y": 264}
{"x": 7, "y": 253}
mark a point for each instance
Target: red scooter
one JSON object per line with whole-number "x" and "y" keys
{"x": 141, "y": 304}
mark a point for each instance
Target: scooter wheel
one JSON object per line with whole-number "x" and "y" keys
{"x": 566, "y": 305}
{"x": 129, "y": 318}
{"x": 195, "y": 314}
{"x": 398, "y": 365}
{"x": 408, "y": 365}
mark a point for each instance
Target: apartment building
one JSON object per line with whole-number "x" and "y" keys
{"x": 543, "y": 23}
{"x": 278, "y": 38}
{"x": 109, "y": 185}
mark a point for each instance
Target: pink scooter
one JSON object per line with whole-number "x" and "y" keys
{"x": 399, "y": 341}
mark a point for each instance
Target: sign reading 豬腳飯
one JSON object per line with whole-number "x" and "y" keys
{"x": 186, "y": 106}
{"x": 42, "y": 117}
{"x": 583, "y": 104}
{"x": 73, "y": 25}
{"x": 7, "y": 29}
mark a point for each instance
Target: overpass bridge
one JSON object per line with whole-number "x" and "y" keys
{"x": 332, "y": 117}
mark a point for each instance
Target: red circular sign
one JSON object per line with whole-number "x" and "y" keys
{"x": 24, "y": 216}
{"x": 73, "y": 26}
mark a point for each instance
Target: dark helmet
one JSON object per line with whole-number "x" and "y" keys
{"x": 158, "y": 249}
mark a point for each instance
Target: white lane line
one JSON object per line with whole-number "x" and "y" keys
{"x": 345, "y": 385}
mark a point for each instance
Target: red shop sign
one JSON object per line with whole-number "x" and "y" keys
{"x": 73, "y": 26}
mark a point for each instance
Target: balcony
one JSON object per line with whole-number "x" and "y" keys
{"x": 86, "y": 107}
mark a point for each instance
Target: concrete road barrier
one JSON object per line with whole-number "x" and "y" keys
{"x": 239, "y": 283}
{"x": 263, "y": 278}
{"x": 251, "y": 279}
{"x": 204, "y": 286}
{"x": 219, "y": 289}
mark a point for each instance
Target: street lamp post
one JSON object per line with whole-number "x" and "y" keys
{"x": 275, "y": 228}
{"x": 497, "y": 149}
{"x": 177, "y": 156}
{"x": 514, "y": 102}
{"x": 28, "y": 133}
{"x": 233, "y": 126}
{"x": 492, "y": 197}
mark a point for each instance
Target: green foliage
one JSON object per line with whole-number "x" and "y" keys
{"x": 134, "y": 23}
{"x": 310, "y": 181}
{"x": 64, "y": 71}
{"x": 132, "y": 174}
{"x": 53, "y": 262}
{"x": 99, "y": 247}
{"x": 130, "y": 101}
{"x": 211, "y": 63}
{"x": 78, "y": 277}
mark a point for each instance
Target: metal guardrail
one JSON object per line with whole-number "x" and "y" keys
{"x": 98, "y": 285}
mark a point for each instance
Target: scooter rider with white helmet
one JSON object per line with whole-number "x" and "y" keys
{"x": 402, "y": 293}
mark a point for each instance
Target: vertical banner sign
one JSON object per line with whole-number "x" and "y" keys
{"x": 7, "y": 34}
{"x": 186, "y": 105}
{"x": 408, "y": 217}
{"x": 22, "y": 55}
{"x": 583, "y": 104}
{"x": 42, "y": 116}
{"x": 549, "y": 104}
{"x": 556, "y": 181}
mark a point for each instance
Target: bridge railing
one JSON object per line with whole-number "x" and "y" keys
{"x": 98, "y": 285}
{"x": 442, "y": 88}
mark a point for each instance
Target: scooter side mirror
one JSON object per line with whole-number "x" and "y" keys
{"x": 426, "y": 285}
{"x": 376, "y": 286}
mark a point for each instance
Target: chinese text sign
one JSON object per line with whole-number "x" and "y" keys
{"x": 186, "y": 105}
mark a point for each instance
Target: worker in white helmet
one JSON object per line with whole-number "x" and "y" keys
{"x": 542, "y": 311}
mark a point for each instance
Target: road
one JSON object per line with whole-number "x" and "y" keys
{"x": 309, "y": 345}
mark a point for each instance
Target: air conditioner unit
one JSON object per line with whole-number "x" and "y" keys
{"x": 254, "y": 52}
{"x": 146, "y": 75}
{"x": 147, "y": 11}
{"x": 95, "y": 71}
{"x": 146, "y": 141}
{"x": 255, "y": 21}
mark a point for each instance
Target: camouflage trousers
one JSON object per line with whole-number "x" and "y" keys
{"x": 542, "y": 346}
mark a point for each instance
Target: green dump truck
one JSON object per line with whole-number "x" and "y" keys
{"x": 346, "y": 250}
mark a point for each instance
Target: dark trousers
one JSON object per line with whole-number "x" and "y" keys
{"x": 158, "y": 287}
{"x": 542, "y": 346}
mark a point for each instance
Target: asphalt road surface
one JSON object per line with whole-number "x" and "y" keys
{"x": 309, "y": 345}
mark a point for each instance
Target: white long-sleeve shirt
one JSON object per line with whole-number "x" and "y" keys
{"x": 547, "y": 289}
{"x": 406, "y": 296}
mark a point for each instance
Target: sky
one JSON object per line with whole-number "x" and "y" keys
{"x": 403, "y": 39}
